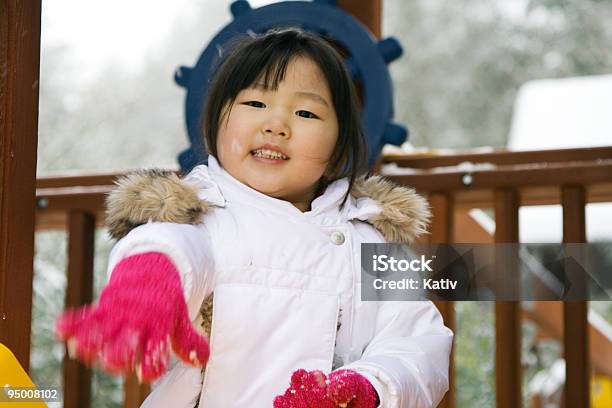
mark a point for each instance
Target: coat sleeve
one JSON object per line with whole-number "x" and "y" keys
{"x": 189, "y": 248}
{"x": 407, "y": 359}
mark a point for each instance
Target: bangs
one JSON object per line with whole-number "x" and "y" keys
{"x": 264, "y": 66}
{"x": 273, "y": 73}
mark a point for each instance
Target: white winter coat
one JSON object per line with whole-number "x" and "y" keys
{"x": 286, "y": 296}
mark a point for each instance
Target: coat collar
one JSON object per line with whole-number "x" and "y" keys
{"x": 326, "y": 205}
{"x": 397, "y": 212}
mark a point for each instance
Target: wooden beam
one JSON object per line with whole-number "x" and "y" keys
{"x": 576, "y": 334}
{"x": 19, "y": 76}
{"x": 134, "y": 393}
{"x": 57, "y": 196}
{"x": 506, "y": 215}
{"x": 368, "y": 12}
{"x": 507, "y": 314}
{"x": 573, "y": 201}
{"x": 79, "y": 291}
{"x": 499, "y": 157}
{"x": 529, "y": 196}
{"x": 468, "y": 230}
{"x": 54, "y": 203}
{"x": 447, "y": 310}
{"x": 511, "y": 176}
{"x": 441, "y": 231}
{"x": 89, "y": 199}
{"x": 442, "y": 221}
{"x": 81, "y": 180}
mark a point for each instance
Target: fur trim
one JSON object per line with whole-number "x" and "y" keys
{"x": 156, "y": 195}
{"x": 405, "y": 214}
{"x": 160, "y": 195}
{"x": 206, "y": 314}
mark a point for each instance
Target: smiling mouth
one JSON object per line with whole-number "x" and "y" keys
{"x": 269, "y": 154}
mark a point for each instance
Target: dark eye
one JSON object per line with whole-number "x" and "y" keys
{"x": 255, "y": 104}
{"x": 306, "y": 114}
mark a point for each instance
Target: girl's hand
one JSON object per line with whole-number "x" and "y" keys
{"x": 343, "y": 388}
{"x": 140, "y": 315}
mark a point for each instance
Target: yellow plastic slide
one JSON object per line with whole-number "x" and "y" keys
{"x": 14, "y": 383}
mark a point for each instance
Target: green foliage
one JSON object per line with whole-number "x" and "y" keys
{"x": 474, "y": 354}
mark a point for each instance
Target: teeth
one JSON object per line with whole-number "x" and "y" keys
{"x": 269, "y": 154}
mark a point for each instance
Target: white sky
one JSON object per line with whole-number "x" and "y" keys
{"x": 98, "y": 33}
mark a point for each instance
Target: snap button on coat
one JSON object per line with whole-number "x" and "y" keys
{"x": 337, "y": 237}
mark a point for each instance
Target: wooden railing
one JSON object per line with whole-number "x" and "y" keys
{"x": 569, "y": 177}
{"x": 504, "y": 181}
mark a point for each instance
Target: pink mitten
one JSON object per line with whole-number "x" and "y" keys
{"x": 343, "y": 388}
{"x": 308, "y": 389}
{"x": 348, "y": 388}
{"x": 140, "y": 314}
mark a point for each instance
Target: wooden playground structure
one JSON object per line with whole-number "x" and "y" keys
{"x": 569, "y": 177}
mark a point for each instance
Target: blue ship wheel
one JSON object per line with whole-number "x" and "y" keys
{"x": 367, "y": 62}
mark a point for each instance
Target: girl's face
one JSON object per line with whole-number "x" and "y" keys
{"x": 279, "y": 142}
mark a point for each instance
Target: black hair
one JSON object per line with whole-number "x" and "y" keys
{"x": 266, "y": 57}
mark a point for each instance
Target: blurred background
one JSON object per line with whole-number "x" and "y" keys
{"x": 108, "y": 103}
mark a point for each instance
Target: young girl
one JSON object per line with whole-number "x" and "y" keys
{"x": 273, "y": 227}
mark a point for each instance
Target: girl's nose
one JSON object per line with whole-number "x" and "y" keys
{"x": 276, "y": 127}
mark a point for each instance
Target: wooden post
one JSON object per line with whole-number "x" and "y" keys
{"x": 134, "y": 393}
{"x": 507, "y": 314}
{"x": 441, "y": 231}
{"x": 442, "y": 211}
{"x": 575, "y": 323}
{"x": 369, "y": 12}
{"x": 79, "y": 291}
{"x": 19, "y": 73}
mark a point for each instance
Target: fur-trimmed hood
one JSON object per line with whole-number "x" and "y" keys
{"x": 160, "y": 195}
